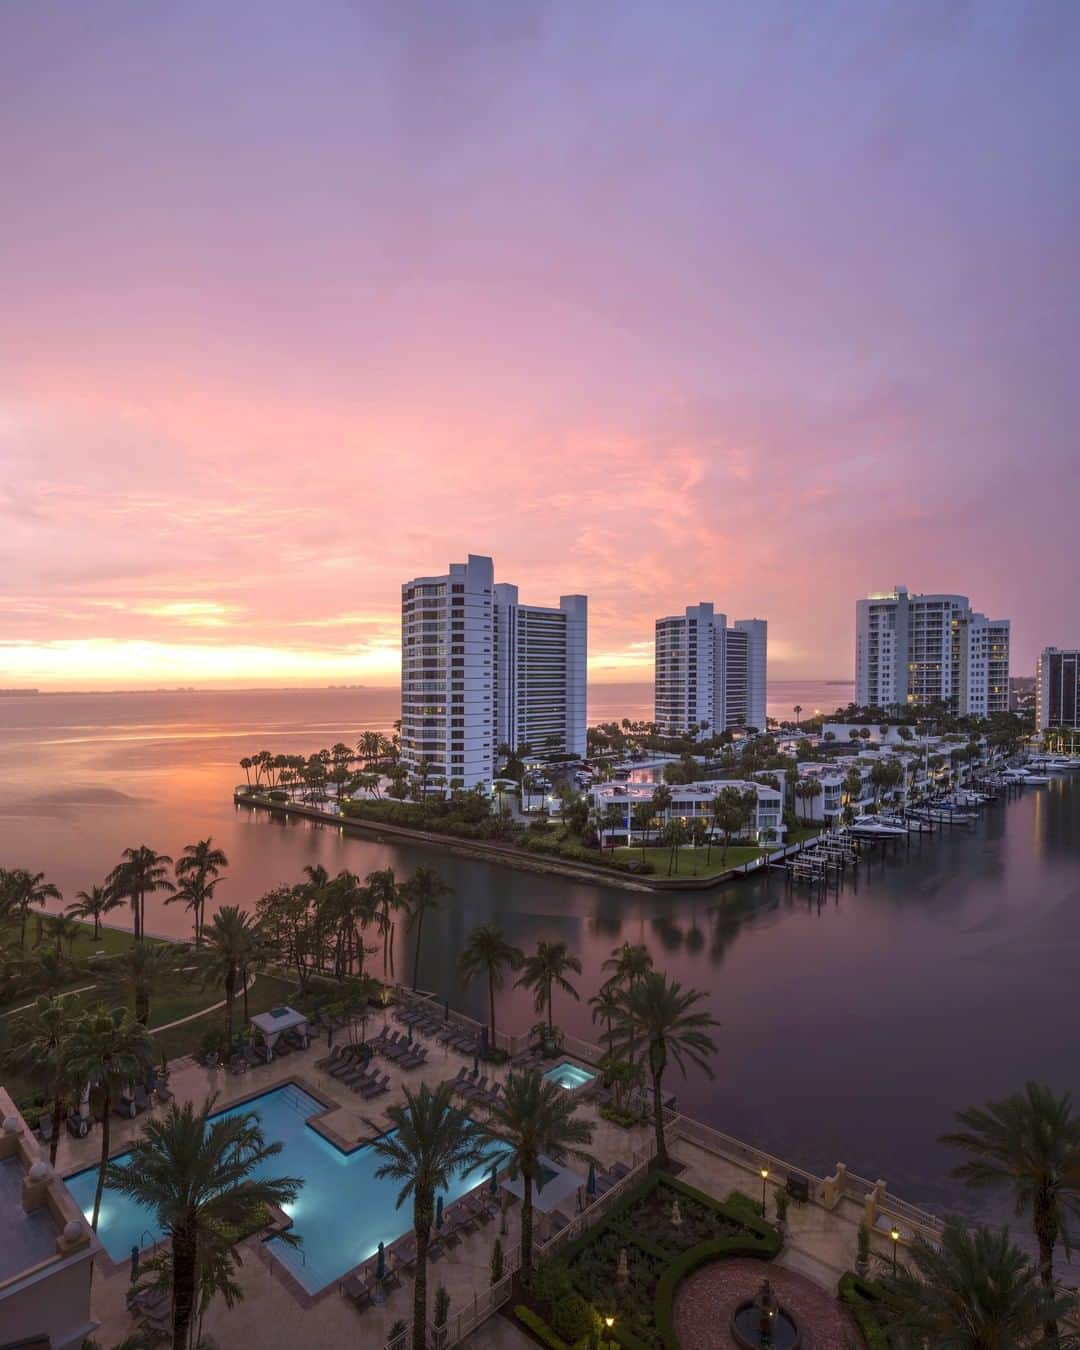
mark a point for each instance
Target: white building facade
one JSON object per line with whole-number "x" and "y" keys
{"x": 914, "y": 650}
{"x": 478, "y": 668}
{"x": 1057, "y": 690}
{"x": 694, "y": 802}
{"x": 709, "y": 676}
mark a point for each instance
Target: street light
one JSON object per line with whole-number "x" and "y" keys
{"x": 894, "y": 1233}
{"x": 764, "y": 1179}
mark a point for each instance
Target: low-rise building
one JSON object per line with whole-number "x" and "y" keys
{"x": 694, "y": 801}
{"x": 47, "y": 1248}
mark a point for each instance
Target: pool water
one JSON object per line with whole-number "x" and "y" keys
{"x": 569, "y": 1076}
{"x": 342, "y": 1212}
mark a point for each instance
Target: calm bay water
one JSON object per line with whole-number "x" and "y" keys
{"x": 852, "y": 1027}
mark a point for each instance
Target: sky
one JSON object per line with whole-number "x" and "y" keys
{"x": 767, "y": 304}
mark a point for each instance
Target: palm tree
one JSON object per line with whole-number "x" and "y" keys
{"x": 1029, "y": 1142}
{"x": 144, "y": 970}
{"x": 61, "y": 929}
{"x": 430, "y": 1145}
{"x": 975, "y": 1291}
{"x": 111, "y": 1049}
{"x": 140, "y": 873}
{"x": 487, "y": 954}
{"x": 228, "y": 941}
{"x": 423, "y": 894}
{"x": 23, "y": 889}
{"x": 798, "y": 713}
{"x": 632, "y": 961}
{"x": 386, "y": 895}
{"x": 39, "y": 1047}
{"x": 198, "y": 874}
{"x": 658, "y": 1014}
{"x": 545, "y": 969}
{"x": 605, "y": 1008}
{"x": 200, "y": 1177}
{"x": 94, "y": 903}
{"x": 535, "y": 1116}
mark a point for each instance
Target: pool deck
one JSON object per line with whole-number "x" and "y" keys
{"x": 276, "y": 1314}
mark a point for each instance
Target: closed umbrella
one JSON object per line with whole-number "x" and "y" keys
{"x": 380, "y": 1264}
{"x": 590, "y": 1184}
{"x": 494, "y": 1184}
{"x": 475, "y": 1065}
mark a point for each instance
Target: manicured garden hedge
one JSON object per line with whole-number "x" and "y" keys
{"x": 659, "y": 1255}
{"x": 865, "y": 1298}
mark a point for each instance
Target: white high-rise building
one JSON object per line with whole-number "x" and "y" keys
{"x": 1057, "y": 690}
{"x": 708, "y": 675}
{"x": 478, "y": 668}
{"x": 914, "y": 650}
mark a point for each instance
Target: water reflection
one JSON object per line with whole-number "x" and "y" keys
{"x": 854, "y": 1021}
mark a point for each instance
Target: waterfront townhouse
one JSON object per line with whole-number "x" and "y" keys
{"x": 693, "y": 801}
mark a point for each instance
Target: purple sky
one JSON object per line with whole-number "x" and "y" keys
{"x": 767, "y": 304}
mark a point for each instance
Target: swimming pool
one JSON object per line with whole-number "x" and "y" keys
{"x": 569, "y": 1076}
{"x": 342, "y": 1212}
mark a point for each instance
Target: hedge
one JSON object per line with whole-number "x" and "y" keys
{"x": 758, "y": 1239}
{"x": 862, "y": 1297}
{"x": 701, "y": 1255}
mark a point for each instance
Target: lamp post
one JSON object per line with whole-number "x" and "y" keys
{"x": 894, "y": 1233}
{"x": 764, "y": 1180}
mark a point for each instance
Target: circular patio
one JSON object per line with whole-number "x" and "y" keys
{"x": 706, "y": 1300}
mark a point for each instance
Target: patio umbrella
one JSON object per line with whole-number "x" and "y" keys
{"x": 493, "y": 1186}
{"x": 475, "y": 1065}
{"x": 590, "y": 1184}
{"x": 408, "y": 1033}
{"x": 380, "y": 1264}
{"x": 438, "y": 1212}
{"x": 484, "y": 1045}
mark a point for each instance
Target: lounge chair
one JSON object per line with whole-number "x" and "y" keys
{"x": 282, "y": 1048}
{"x": 376, "y": 1089}
{"x": 162, "y": 1090}
{"x": 359, "y": 1078}
{"x": 45, "y": 1130}
{"x": 346, "y": 1064}
{"x": 331, "y": 1058}
{"x": 357, "y": 1291}
{"x": 455, "y": 1083}
{"x": 465, "y": 1220}
{"x": 142, "y": 1099}
{"x": 478, "y": 1090}
{"x": 618, "y": 1171}
{"x": 404, "y": 1254}
{"x": 253, "y": 1056}
{"x": 413, "y": 1060}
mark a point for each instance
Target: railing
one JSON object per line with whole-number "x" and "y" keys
{"x": 724, "y": 1146}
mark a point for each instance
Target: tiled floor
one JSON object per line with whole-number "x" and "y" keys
{"x": 708, "y": 1298}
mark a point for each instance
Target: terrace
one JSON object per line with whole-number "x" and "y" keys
{"x": 283, "y": 1308}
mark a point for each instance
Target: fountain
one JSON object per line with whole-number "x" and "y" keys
{"x": 761, "y": 1324}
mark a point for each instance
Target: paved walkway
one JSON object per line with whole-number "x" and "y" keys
{"x": 706, "y": 1301}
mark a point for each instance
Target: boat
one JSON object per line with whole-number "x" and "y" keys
{"x": 871, "y": 827}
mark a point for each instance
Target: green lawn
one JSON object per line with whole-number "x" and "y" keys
{"x": 110, "y": 941}
{"x": 692, "y": 861}
{"x": 267, "y": 992}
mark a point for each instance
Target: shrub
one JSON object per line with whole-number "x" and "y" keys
{"x": 539, "y": 1328}
{"x": 573, "y": 1317}
{"x": 442, "y": 1307}
{"x": 497, "y": 1262}
{"x": 626, "y": 1119}
{"x": 780, "y": 1199}
{"x": 863, "y": 1298}
{"x": 551, "y": 1282}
